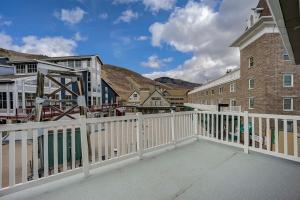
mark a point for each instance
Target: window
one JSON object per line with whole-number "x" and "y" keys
{"x": 213, "y": 92}
{"x": 233, "y": 102}
{"x": 206, "y": 92}
{"x": 20, "y": 97}
{"x": 232, "y": 87}
{"x": 288, "y": 80}
{"x": 251, "y": 84}
{"x": 31, "y": 68}
{"x": 21, "y": 69}
{"x": 11, "y": 100}
{"x": 88, "y": 63}
{"x": 71, "y": 63}
{"x": 251, "y": 103}
{"x": 78, "y": 63}
{"x": 251, "y": 62}
{"x": 285, "y": 55}
{"x": 221, "y": 89}
{"x": 3, "y": 100}
{"x": 287, "y": 104}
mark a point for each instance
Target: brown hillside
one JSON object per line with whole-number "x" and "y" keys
{"x": 124, "y": 81}
{"x": 14, "y": 55}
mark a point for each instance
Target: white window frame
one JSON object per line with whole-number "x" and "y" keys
{"x": 292, "y": 80}
{"x": 231, "y": 100}
{"x": 232, "y": 87}
{"x": 249, "y": 62}
{"x": 221, "y": 90}
{"x": 285, "y": 53}
{"x": 292, "y": 104}
{"x": 250, "y": 103}
{"x": 249, "y": 84}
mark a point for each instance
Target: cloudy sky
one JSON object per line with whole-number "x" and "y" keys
{"x": 186, "y": 39}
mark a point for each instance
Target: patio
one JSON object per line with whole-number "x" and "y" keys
{"x": 200, "y": 170}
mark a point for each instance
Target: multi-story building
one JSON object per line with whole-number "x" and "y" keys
{"x": 91, "y": 63}
{"x": 176, "y": 97}
{"x": 266, "y": 81}
{"x": 18, "y": 83}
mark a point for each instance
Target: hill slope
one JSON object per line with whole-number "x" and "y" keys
{"x": 124, "y": 81}
{"x": 177, "y": 83}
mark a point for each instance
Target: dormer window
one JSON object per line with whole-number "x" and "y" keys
{"x": 251, "y": 20}
{"x": 285, "y": 55}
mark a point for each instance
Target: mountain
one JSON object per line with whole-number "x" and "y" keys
{"x": 14, "y": 55}
{"x": 177, "y": 83}
{"x": 125, "y": 81}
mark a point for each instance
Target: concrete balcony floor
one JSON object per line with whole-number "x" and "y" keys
{"x": 199, "y": 170}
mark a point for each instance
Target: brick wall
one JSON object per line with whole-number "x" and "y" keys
{"x": 269, "y": 67}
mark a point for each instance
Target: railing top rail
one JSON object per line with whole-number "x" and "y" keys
{"x": 37, "y": 125}
{"x": 110, "y": 119}
{"x": 271, "y": 116}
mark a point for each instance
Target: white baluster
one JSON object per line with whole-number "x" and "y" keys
{"x": 12, "y": 158}
{"x": 295, "y": 138}
{"x": 46, "y": 166}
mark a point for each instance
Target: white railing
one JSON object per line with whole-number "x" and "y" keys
{"x": 203, "y": 107}
{"x": 275, "y": 135}
{"x": 231, "y": 109}
{"x": 35, "y": 153}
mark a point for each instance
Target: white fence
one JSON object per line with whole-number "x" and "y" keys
{"x": 35, "y": 153}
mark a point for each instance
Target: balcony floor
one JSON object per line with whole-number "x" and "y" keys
{"x": 200, "y": 170}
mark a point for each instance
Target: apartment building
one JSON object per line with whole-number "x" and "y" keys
{"x": 266, "y": 81}
{"x": 18, "y": 82}
{"x": 91, "y": 63}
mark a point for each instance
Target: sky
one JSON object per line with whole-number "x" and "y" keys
{"x": 185, "y": 39}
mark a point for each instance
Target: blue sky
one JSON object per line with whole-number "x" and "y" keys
{"x": 151, "y": 37}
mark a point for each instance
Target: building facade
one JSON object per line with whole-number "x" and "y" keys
{"x": 109, "y": 95}
{"x": 266, "y": 81}
{"x": 18, "y": 81}
{"x": 91, "y": 63}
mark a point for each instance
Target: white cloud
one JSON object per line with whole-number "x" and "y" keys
{"x": 50, "y": 46}
{"x": 142, "y": 38}
{"x": 207, "y": 34}
{"x": 155, "y": 62}
{"x": 71, "y": 16}
{"x": 103, "y": 16}
{"x": 152, "y": 5}
{"x": 156, "y": 5}
{"x": 124, "y": 1}
{"x": 4, "y": 22}
{"x": 78, "y": 37}
{"x": 127, "y": 16}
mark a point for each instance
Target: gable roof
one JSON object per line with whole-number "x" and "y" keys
{"x": 110, "y": 86}
{"x": 266, "y": 10}
{"x": 132, "y": 93}
{"x": 152, "y": 94}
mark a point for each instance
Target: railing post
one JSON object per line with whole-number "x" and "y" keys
{"x": 195, "y": 118}
{"x": 140, "y": 135}
{"x": 246, "y": 132}
{"x": 84, "y": 145}
{"x": 173, "y": 127}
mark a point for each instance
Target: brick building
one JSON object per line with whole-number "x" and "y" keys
{"x": 266, "y": 81}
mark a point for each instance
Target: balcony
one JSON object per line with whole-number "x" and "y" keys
{"x": 184, "y": 155}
